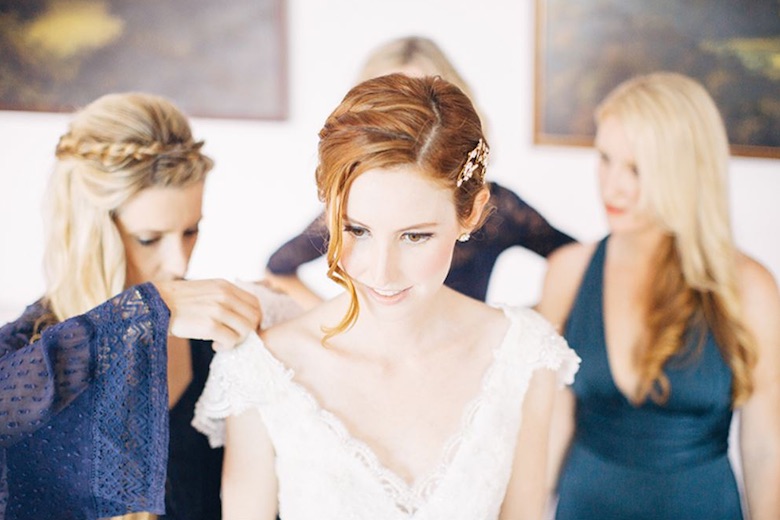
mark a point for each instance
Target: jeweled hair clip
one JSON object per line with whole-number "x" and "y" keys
{"x": 476, "y": 158}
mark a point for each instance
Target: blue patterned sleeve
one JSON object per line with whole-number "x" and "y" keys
{"x": 130, "y": 402}
{"x": 117, "y": 350}
{"x": 39, "y": 379}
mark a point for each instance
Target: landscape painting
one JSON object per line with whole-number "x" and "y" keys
{"x": 213, "y": 59}
{"x": 585, "y": 48}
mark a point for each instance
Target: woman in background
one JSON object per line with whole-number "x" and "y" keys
{"x": 90, "y": 371}
{"x": 676, "y": 328}
{"x": 512, "y": 223}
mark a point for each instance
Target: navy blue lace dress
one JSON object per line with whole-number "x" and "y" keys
{"x": 513, "y": 223}
{"x": 84, "y": 411}
{"x": 647, "y": 462}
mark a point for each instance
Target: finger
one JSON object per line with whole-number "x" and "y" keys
{"x": 238, "y": 323}
{"x": 246, "y": 305}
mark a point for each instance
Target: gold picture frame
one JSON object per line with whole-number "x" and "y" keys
{"x": 584, "y": 49}
{"x": 213, "y": 59}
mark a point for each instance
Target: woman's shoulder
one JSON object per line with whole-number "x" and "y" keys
{"x": 572, "y": 257}
{"x": 537, "y": 343}
{"x": 565, "y": 269}
{"x": 293, "y": 340}
{"x": 753, "y": 273}
{"x": 758, "y": 291}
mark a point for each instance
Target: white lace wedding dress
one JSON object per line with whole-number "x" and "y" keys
{"x": 325, "y": 474}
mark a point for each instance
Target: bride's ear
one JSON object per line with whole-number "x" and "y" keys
{"x": 477, "y": 214}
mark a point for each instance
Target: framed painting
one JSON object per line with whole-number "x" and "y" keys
{"x": 585, "y": 48}
{"x": 213, "y": 59}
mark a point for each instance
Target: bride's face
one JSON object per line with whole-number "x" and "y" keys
{"x": 399, "y": 232}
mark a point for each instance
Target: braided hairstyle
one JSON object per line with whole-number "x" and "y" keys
{"x": 115, "y": 147}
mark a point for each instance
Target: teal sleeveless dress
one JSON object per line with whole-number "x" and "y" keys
{"x": 651, "y": 461}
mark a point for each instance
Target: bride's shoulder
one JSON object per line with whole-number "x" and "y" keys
{"x": 295, "y": 339}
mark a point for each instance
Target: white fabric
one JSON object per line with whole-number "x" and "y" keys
{"x": 326, "y": 474}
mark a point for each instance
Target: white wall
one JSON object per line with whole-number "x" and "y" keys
{"x": 262, "y": 191}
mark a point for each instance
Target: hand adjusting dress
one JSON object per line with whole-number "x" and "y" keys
{"x": 325, "y": 473}
{"x": 653, "y": 462}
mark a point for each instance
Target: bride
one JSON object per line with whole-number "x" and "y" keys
{"x": 400, "y": 398}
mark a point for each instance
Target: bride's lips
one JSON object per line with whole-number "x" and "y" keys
{"x": 387, "y": 296}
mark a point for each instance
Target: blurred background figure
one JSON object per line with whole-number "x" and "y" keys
{"x": 676, "y": 328}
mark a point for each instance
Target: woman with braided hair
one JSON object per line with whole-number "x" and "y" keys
{"x": 89, "y": 372}
{"x": 401, "y": 397}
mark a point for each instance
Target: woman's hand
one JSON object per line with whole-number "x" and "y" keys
{"x": 214, "y": 310}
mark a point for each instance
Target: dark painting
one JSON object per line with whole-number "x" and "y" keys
{"x": 586, "y": 47}
{"x": 213, "y": 59}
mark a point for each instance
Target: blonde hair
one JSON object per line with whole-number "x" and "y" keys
{"x": 681, "y": 150}
{"x": 392, "y": 121}
{"x": 115, "y": 147}
{"x": 418, "y": 52}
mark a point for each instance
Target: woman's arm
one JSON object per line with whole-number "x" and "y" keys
{"x": 760, "y": 418}
{"x": 43, "y": 377}
{"x": 249, "y": 486}
{"x": 527, "y": 493}
{"x": 282, "y": 267}
{"x": 522, "y": 225}
{"x": 565, "y": 269}
{"x": 292, "y": 286}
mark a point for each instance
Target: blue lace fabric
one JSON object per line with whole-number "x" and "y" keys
{"x": 84, "y": 411}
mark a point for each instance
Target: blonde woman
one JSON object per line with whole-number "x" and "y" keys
{"x": 676, "y": 328}
{"x": 89, "y": 372}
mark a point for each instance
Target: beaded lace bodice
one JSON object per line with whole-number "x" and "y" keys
{"x": 325, "y": 473}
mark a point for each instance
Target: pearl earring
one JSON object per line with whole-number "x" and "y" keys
{"x": 464, "y": 237}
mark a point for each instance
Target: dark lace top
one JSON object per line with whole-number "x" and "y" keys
{"x": 194, "y": 467}
{"x": 84, "y": 411}
{"x": 513, "y": 223}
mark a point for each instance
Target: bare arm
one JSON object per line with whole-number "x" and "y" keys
{"x": 565, "y": 269}
{"x": 526, "y": 494}
{"x": 249, "y": 486}
{"x": 760, "y": 420}
{"x": 291, "y": 285}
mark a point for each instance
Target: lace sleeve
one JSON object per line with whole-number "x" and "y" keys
{"x": 239, "y": 379}
{"x": 130, "y": 402}
{"x": 41, "y": 378}
{"x": 521, "y": 225}
{"x": 117, "y": 352}
{"x": 277, "y": 306}
{"x": 311, "y": 244}
{"x": 546, "y": 348}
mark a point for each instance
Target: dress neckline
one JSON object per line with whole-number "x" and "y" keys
{"x": 409, "y": 497}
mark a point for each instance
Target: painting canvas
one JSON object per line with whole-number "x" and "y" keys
{"x": 213, "y": 59}
{"x": 586, "y": 47}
